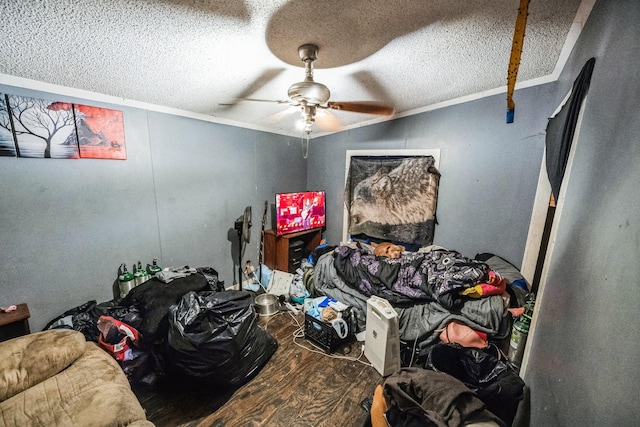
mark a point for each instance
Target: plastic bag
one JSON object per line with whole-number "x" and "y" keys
{"x": 154, "y": 298}
{"x": 214, "y": 339}
{"x": 212, "y": 277}
{"x": 297, "y": 290}
{"x": 117, "y": 338}
{"x": 493, "y": 381}
{"x": 84, "y": 317}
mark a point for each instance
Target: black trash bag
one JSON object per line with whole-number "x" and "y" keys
{"x": 214, "y": 339}
{"x": 153, "y": 299}
{"x": 84, "y": 318}
{"x": 492, "y": 380}
{"x": 129, "y": 315}
{"x": 215, "y": 284}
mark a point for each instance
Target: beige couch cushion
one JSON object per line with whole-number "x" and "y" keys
{"x": 31, "y": 359}
{"x": 92, "y": 392}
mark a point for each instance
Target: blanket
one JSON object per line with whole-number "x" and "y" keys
{"x": 439, "y": 275}
{"x": 418, "y": 320}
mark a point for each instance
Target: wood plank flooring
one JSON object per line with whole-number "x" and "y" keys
{"x": 296, "y": 388}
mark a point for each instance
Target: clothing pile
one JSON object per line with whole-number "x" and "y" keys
{"x": 456, "y": 386}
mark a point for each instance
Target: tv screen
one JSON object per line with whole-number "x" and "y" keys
{"x": 299, "y": 211}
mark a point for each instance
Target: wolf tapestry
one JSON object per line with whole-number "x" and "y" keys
{"x": 393, "y": 198}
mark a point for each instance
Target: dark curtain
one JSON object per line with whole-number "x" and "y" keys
{"x": 392, "y": 198}
{"x": 561, "y": 128}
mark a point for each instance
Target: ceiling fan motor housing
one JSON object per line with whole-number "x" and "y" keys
{"x": 308, "y": 92}
{"x": 313, "y": 93}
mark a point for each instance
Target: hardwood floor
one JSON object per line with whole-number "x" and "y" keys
{"x": 297, "y": 387}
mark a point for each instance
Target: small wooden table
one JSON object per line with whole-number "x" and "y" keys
{"x": 14, "y": 323}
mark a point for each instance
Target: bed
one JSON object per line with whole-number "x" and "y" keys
{"x": 427, "y": 289}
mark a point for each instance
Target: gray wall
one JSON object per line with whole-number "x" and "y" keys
{"x": 585, "y": 351}
{"x": 66, "y": 225}
{"x": 489, "y": 168}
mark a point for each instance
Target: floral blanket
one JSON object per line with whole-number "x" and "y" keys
{"x": 437, "y": 275}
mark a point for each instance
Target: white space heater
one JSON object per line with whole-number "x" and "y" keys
{"x": 382, "y": 340}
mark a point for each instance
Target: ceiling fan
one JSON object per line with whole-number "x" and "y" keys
{"x": 310, "y": 95}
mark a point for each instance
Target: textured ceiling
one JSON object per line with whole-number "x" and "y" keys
{"x": 191, "y": 56}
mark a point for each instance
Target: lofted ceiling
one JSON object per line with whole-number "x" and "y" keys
{"x": 199, "y": 58}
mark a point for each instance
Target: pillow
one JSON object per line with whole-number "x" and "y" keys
{"x": 507, "y": 270}
{"x": 518, "y": 287}
{"x": 427, "y": 249}
{"x": 29, "y": 360}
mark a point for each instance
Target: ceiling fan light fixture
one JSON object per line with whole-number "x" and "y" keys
{"x": 309, "y": 91}
{"x": 308, "y": 117}
{"x": 307, "y": 127}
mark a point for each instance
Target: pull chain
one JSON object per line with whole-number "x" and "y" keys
{"x": 305, "y": 147}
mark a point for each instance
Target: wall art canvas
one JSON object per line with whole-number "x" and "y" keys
{"x": 42, "y": 128}
{"x": 100, "y": 132}
{"x": 7, "y": 144}
{"x": 392, "y": 198}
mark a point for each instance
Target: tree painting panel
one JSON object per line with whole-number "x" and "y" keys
{"x": 7, "y": 144}
{"x": 43, "y": 129}
{"x": 100, "y": 132}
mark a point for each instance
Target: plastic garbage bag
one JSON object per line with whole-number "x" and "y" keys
{"x": 154, "y": 298}
{"x": 84, "y": 318}
{"x": 492, "y": 380}
{"x": 117, "y": 338}
{"x": 214, "y": 339}
{"x": 212, "y": 277}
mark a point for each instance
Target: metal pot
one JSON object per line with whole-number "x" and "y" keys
{"x": 267, "y": 304}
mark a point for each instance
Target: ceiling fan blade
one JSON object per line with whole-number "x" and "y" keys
{"x": 370, "y": 83}
{"x": 328, "y": 121}
{"x": 235, "y": 101}
{"x": 260, "y": 81}
{"x": 275, "y": 118}
{"x": 367, "y": 107}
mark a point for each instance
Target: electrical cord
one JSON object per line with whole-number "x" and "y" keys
{"x": 266, "y": 324}
{"x": 299, "y": 333}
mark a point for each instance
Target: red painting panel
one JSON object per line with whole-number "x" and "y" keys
{"x": 100, "y": 132}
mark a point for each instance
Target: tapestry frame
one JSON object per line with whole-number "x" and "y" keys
{"x": 435, "y": 153}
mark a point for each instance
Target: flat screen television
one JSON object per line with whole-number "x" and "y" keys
{"x": 299, "y": 211}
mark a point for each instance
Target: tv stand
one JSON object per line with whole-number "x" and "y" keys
{"x": 285, "y": 253}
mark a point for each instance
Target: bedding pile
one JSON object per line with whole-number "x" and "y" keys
{"x": 437, "y": 275}
{"x": 428, "y": 289}
{"x": 453, "y": 319}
